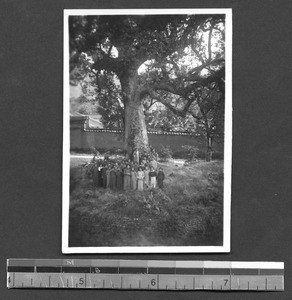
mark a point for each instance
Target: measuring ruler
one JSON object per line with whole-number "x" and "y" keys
{"x": 144, "y": 274}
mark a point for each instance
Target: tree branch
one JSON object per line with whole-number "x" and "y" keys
{"x": 182, "y": 113}
{"x": 199, "y": 119}
{"x": 210, "y": 43}
{"x": 151, "y": 103}
{"x": 200, "y": 57}
{"x": 194, "y": 72}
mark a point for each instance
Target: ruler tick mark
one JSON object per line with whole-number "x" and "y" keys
{"x": 56, "y": 279}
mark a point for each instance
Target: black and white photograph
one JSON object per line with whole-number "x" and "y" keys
{"x": 147, "y": 132}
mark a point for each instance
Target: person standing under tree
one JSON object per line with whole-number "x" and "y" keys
{"x": 108, "y": 175}
{"x": 113, "y": 180}
{"x": 99, "y": 174}
{"x": 160, "y": 178}
{"x": 152, "y": 176}
{"x": 136, "y": 166}
{"x": 153, "y": 163}
{"x": 95, "y": 175}
{"x": 140, "y": 177}
{"x": 119, "y": 174}
{"x": 103, "y": 175}
{"x": 133, "y": 178}
{"x": 127, "y": 178}
{"x": 146, "y": 177}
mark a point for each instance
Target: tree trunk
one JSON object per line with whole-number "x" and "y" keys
{"x": 136, "y": 136}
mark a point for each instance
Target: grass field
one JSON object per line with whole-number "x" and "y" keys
{"x": 187, "y": 212}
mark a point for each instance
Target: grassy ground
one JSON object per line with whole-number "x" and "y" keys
{"x": 187, "y": 212}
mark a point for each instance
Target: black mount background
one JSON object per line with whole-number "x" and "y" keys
{"x": 31, "y": 81}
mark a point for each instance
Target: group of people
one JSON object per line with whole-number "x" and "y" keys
{"x": 126, "y": 174}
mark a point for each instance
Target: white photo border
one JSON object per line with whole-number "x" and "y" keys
{"x": 225, "y": 248}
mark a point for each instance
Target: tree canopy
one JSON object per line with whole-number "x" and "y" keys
{"x": 164, "y": 67}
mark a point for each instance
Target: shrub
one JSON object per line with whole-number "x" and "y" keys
{"x": 184, "y": 154}
{"x": 192, "y": 152}
{"x": 165, "y": 153}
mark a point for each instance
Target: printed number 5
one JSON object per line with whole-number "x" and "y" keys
{"x": 81, "y": 281}
{"x": 153, "y": 282}
{"x": 225, "y": 280}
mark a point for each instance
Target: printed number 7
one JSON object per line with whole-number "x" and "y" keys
{"x": 225, "y": 280}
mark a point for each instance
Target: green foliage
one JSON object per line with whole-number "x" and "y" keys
{"x": 209, "y": 113}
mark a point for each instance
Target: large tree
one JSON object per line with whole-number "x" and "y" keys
{"x": 166, "y": 58}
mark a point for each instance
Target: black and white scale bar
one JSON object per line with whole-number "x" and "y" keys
{"x": 145, "y": 274}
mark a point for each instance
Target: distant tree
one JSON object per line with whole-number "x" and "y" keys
{"x": 109, "y": 96}
{"x": 167, "y": 58}
{"x": 87, "y": 106}
{"x": 204, "y": 117}
{"x": 83, "y": 105}
{"x": 192, "y": 152}
{"x": 208, "y": 112}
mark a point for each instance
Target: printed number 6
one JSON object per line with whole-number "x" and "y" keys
{"x": 153, "y": 282}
